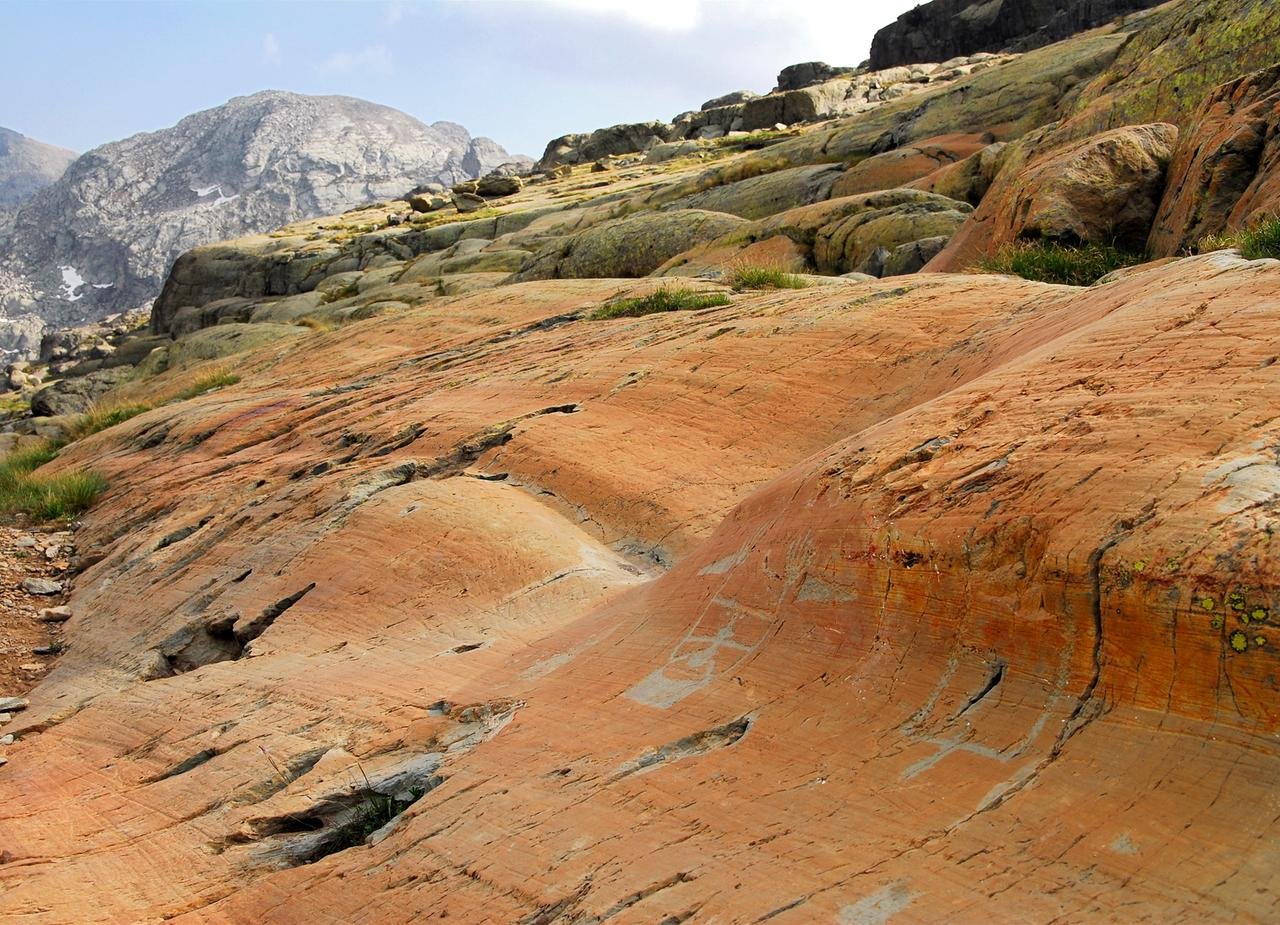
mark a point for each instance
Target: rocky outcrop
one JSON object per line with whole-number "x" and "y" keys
{"x": 26, "y": 167}
{"x": 902, "y": 166}
{"x": 1225, "y": 173}
{"x": 812, "y": 93}
{"x": 101, "y": 239}
{"x": 627, "y": 247}
{"x": 943, "y": 29}
{"x": 1103, "y": 190}
{"x": 808, "y": 73}
{"x": 888, "y": 232}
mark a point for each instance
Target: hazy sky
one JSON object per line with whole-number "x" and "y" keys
{"x": 78, "y": 74}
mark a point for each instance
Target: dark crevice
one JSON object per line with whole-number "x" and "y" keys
{"x": 251, "y": 630}
{"x": 993, "y": 680}
{"x": 177, "y": 536}
{"x": 182, "y": 767}
{"x": 700, "y": 743}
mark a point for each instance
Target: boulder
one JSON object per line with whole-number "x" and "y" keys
{"x": 78, "y": 395}
{"x": 912, "y": 256}
{"x": 867, "y": 240}
{"x": 579, "y": 148}
{"x": 468, "y": 202}
{"x": 737, "y": 96}
{"x": 628, "y": 247}
{"x": 806, "y": 74}
{"x": 497, "y": 185}
{"x": 425, "y": 202}
{"x": 41, "y": 586}
{"x": 1226, "y": 169}
{"x": 1103, "y": 190}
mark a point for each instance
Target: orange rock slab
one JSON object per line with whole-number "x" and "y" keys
{"x": 898, "y": 602}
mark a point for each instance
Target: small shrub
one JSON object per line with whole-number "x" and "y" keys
{"x": 1259, "y": 242}
{"x": 766, "y": 278}
{"x": 45, "y": 497}
{"x": 316, "y": 324}
{"x": 1056, "y": 263}
{"x": 662, "y": 300}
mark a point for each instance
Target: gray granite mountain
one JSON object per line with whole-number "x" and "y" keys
{"x": 943, "y": 29}
{"x": 26, "y": 166}
{"x": 101, "y": 239}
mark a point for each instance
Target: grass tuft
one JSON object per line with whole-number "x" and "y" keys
{"x": 1259, "y": 242}
{"x": 44, "y": 498}
{"x": 100, "y": 418}
{"x": 675, "y": 299}
{"x": 1045, "y": 262}
{"x": 766, "y": 278}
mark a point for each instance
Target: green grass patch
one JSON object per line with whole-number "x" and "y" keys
{"x": 42, "y": 498}
{"x": 766, "y": 278}
{"x": 1056, "y": 263}
{"x": 676, "y": 299}
{"x": 1260, "y": 242}
{"x": 91, "y": 422}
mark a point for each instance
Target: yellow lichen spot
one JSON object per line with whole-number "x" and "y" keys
{"x": 1139, "y": 566}
{"x": 1216, "y": 623}
{"x": 1208, "y": 603}
{"x": 1236, "y": 600}
{"x": 1239, "y": 641}
{"x": 1259, "y": 614}
{"x": 1259, "y": 640}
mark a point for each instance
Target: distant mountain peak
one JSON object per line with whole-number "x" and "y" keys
{"x": 120, "y": 214}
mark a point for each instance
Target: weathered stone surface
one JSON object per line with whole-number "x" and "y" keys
{"x": 901, "y": 166}
{"x": 942, "y": 29}
{"x": 787, "y": 240}
{"x": 967, "y": 180}
{"x": 778, "y": 191}
{"x": 1027, "y": 469}
{"x": 627, "y": 247}
{"x": 1225, "y": 173}
{"x": 1102, "y": 190}
{"x": 852, "y": 242}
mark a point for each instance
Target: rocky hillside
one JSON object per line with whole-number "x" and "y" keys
{"x": 101, "y": 239}
{"x": 743, "y": 529}
{"x": 27, "y": 166}
{"x": 942, "y": 29}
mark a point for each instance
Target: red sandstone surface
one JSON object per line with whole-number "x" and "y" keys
{"x": 945, "y": 598}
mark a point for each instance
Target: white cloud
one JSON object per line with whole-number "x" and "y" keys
{"x": 664, "y": 15}
{"x": 393, "y": 13}
{"x": 371, "y": 58}
{"x": 270, "y": 49}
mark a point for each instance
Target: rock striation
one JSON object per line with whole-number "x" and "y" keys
{"x": 101, "y": 239}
